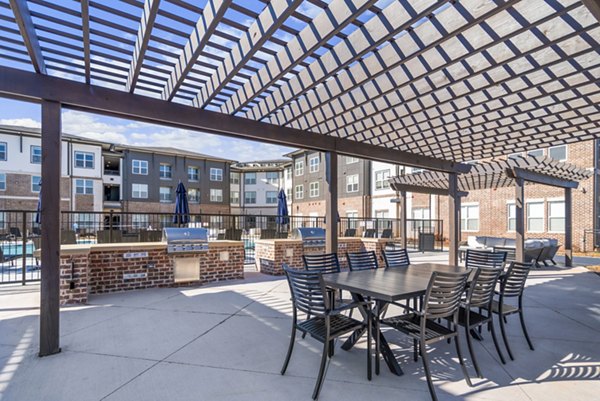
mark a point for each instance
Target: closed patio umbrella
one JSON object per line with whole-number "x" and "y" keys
{"x": 182, "y": 209}
{"x": 282, "y": 210}
{"x": 38, "y": 213}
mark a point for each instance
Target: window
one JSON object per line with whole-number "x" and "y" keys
{"x": 2, "y": 182}
{"x": 556, "y": 216}
{"x": 84, "y": 160}
{"x": 36, "y": 154}
{"x": 558, "y": 152}
{"x": 235, "y": 197}
{"x": 36, "y": 183}
{"x": 3, "y": 221}
{"x": 299, "y": 192}
{"x": 234, "y": 177}
{"x": 350, "y": 160}
{"x": 216, "y": 195}
{"x": 250, "y": 178}
{"x": 139, "y": 167}
{"x": 193, "y": 195}
{"x": 535, "y": 216}
{"x": 139, "y": 191}
{"x": 250, "y": 197}
{"x": 288, "y": 194}
{"x": 272, "y": 177}
{"x": 420, "y": 213}
{"x": 299, "y": 168}
{"x": 537, "y": 152}
{"x": 511, "y": 214}
{"x": 164, "y": 194}
{"x": 84, "y": 187}
{"x": 381, "y": 179}
{"x": 313, "y": 164}
{"x": 193, "y": 174}
{"x": 85, "y": 220}
{"x": 165, "y": 171}
{"x": 313, "y": 190}
{"x": 3, "y": 151}
{"x": 469, "y": 218}
{"x": 352, "y": 183}
{"x": 288, "y": 173}
{"x": 139, "y": 221}
{"x": 352, "y": 218}
{"x": 216, "y": 174}
{"x": 272, "y": 197}
{"x": 382, "y": 214}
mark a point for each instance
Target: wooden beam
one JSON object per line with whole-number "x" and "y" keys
{"x": 402, "y": 218}
{"x": 594, "y": 7}
{"x": 30, "y": 39}
{"x": 568, "y": 227}
{"x": 454, "y": 219}
{"x": 141, "y": 42}
{"x": 425, "y": 190}
{"x": 520, "y": 219}
{"x": 205, "y": 27}
{"x": 539, "y": 178}
{"x": 270, "y": 19}
{"x": 50, "y": 271}
{"x": 331, "y": 202}
{"x": 85, "y": 29}
{"x": 28, "y": 85}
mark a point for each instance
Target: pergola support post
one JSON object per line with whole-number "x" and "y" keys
{"x": 454, "y": 218}
{"x": 331, "y": 211}
{"x": 50, "y": 224}
{"x": 402, "y": 218}
{"x": 568, "y": 227}
{"x": 520, "y": 219}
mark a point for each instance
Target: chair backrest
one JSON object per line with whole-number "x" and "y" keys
{"x": 387, "y": 233}
{"x": 370, "y": 233}
{"x": 511, "y": 253}
{"x": 484, "y": 259}
{"x": 362, "y": 260}
{"x": 322, "y": 262}
{"x": 350, "y": 232}
{"x": 308, "y": 291}
{"x": 514, "y": 280}
{"x": 397, "y": 257}
{"x": 68, "y": 237}
{"x": 481, "y": 290}
{"x": 267, "y": 233}
{"x": 443, "y": 295}
{"x": 233, "y": 234}
{"x": 15, "y": 231}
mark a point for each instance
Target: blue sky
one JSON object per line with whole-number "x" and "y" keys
{"x": 121, "y": 131}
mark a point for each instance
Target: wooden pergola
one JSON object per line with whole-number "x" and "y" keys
{"x": 514, "y": 171}
{"x": 423, "y": 83}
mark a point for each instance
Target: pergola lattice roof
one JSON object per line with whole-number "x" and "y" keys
{"x": 493, "y": 174}
{"x": 456, "y": 80}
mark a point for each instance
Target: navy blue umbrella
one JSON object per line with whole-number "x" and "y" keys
{"x": 282, "y": 210}
{"x": 38, "y": 213}
{"x": 182, "y": 209}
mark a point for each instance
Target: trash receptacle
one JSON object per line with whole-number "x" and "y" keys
{"x": 426, "y": 242}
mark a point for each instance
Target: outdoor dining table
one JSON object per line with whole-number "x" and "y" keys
{"x": 385, "y": 286}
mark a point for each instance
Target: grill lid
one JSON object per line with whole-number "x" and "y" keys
{"x": 310, "y": 236}
{"x": 186, "y": 239}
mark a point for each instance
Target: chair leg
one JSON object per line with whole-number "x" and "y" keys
{"x": 496, "y": 344}
{"x": 427, "y": 372}
{"x": 471, "y": 352}
{"x": 415, "y": 350}
{"x": 369, "y": 340}
{"x": 331, "y": 348}
{"x": 290, "y": 349}
{"x": 461, "y": 360}
{"x": 503, "y": 331}
{"x": 304, "y": 333}
{"x": 319, "y": 383}
{"x": 522, "y": 318}
{"x": 377, "y": 334}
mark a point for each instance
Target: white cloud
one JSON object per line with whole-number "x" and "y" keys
{"x": 21, "y": 122}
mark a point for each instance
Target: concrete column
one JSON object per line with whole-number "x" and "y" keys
{"x": 50, "y": 224}
{"x": 331, "y": 200}
{"x": 520, "y": 219}
{"x": 454, "y": 218}
{"x": 568, "y": 227}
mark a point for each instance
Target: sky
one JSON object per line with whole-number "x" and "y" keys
{"x": 121, "y": 131}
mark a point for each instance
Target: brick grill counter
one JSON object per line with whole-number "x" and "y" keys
{"x": 272, "y": 253}
{"x": 102, "y": 268}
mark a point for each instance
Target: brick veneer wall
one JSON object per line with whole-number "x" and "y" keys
{"x": 74, "y": 268}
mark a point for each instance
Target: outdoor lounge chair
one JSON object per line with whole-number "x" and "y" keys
{"x": 327, "y": 323}
{"x": 442, "y": 300}
{"x": 370, "y": 233}
{"x": 67, "y": 237}
{"x": 233, "y": 234}
{"x": 15, "y": 232}
{"x": 387, "y": 233}
{"x": 350, "y": 232}
{"x": 267, "y": 233}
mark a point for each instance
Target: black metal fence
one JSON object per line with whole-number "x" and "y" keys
{"x": 20, "y": 234}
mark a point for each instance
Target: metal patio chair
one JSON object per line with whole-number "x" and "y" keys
{"x": 397, "y": 257}
{"x": 442, "y": 300}
{"x": 365, "y": 260}
{"x": 485, "y": 259}
{"x": 350, "y": 232}
{"x": 480, "y": 296}
{"x": 327, "y": 322}
{"x": 512, "y": 285}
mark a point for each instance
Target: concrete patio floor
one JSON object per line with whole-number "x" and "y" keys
{"x": 228, "y": 341}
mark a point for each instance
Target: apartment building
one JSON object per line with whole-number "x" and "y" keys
{"x": 255, "y": 186}
{"x": 308, "y": 173}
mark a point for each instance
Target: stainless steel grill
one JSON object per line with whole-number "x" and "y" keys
{"x": 312, "y": 237}
{"x": 186, "y": 239}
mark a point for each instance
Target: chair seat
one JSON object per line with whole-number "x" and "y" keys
{"x": 340, "y": 324}
{"x": 506, "y": 309}
{"x": 475, "y": 318}
{"x": 410, "y": 324}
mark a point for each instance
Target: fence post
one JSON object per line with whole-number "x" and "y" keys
{"x": 110, "y": 226}
{"x": 24, "y": 247}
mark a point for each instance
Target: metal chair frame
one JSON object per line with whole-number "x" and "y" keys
{"x": 486, "y": 259}
{"x": 396, "y": 258}
{"x": 364, "y": 260}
